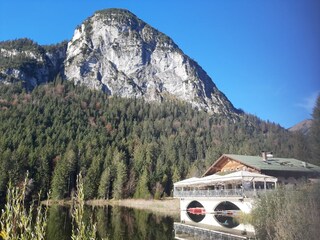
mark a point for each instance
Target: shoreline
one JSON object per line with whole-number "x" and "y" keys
{"x": 167, "y": 207}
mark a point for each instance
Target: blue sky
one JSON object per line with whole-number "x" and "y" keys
{"x": 263, "y": 55}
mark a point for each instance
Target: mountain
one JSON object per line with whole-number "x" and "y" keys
{"x": 25, "y": 61}
{"x": 118, "y": 53}
{"x": 303, "y": 127}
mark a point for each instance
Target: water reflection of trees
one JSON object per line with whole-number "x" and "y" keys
{"x": 124, "y": 223}
{"x": 59, "y": 223}
{"x": 102, "y": 215}
{"x": 117, "y": 223}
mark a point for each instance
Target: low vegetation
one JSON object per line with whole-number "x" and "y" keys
{"x": 288, "y": 214}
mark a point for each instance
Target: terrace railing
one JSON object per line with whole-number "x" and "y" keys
{"x": 220, "y": 193}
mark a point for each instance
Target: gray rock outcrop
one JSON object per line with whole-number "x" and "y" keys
{"x": 25, "y": 61}
{"x": 118, "y": 53}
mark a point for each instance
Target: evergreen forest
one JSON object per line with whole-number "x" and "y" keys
{"x": 124, "y": 148}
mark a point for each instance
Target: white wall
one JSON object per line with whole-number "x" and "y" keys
{"x": 210, "y": 204}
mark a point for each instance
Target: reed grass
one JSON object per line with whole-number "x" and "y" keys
{"x": 16, "y": 221}
{"x": 80, "y": 230}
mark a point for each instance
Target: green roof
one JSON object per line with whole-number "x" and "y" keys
{"x": 275, "y": 163}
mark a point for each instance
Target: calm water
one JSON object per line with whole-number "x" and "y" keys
{"x": 113, "y": 222}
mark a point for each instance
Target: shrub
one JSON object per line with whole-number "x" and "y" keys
{"x": 288, "y": 214}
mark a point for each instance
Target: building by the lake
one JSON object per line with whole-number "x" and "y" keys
{"x": 286, "y": 170}
{"x": 231, "y": 184}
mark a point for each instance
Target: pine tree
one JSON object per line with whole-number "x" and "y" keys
{"x": 176, "y": 175}
{"x": 91, "y": 180}
{"x": 104, "y": 186}
{"x": 63, "y": 176}
{"x": 142, "y": 190}
{"x": 121, "y": 173}
{"x": 315, "y": 134}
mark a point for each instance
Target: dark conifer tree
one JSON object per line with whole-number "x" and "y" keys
{"x": 315, "y": 133}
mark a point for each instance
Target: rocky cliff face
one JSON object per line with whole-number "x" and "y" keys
{"x": 120, "y": 54}
{"x": 116, "y": 52}
{"x": 25, "y": 61}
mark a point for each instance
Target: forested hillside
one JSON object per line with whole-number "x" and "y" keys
{"x": 123, "y": 147}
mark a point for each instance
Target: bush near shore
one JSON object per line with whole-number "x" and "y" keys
{"x": 288, "y": 213}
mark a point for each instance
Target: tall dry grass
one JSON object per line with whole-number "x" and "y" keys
{"x": 81, "y": 230}
{"x": 20, "y": 222}
{"x": 287, "y": 214}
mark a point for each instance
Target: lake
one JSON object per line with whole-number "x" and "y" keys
{"x": 113, "y": 222}
{"x": 117, "y": 223}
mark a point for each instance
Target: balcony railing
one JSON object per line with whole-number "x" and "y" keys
{"x": 221, "y": 193}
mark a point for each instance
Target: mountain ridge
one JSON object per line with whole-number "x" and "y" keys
{"x": 303, "y": 127}
{"x": 23, "y": 60}
{"x": 118, "y": 53}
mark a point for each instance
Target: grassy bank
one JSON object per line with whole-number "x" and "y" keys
{"x": 168, "y": 207}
